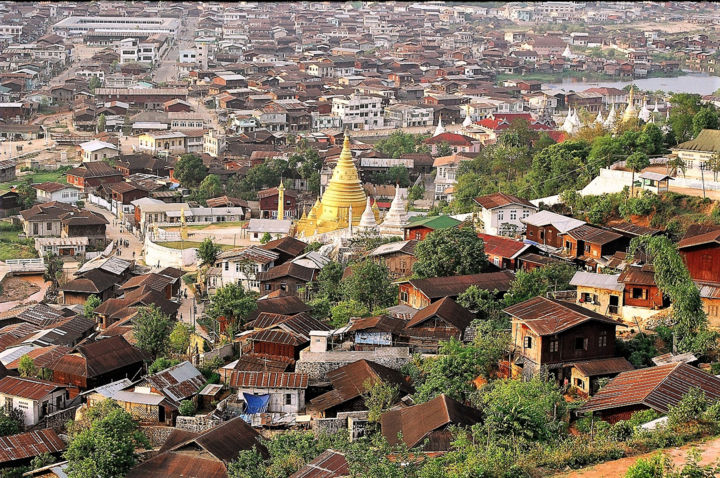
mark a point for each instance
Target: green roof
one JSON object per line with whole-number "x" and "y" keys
{"x": 708, "y": 140}
{"x": 433, "y": 222}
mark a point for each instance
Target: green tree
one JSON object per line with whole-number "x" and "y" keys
{"x": 636, "y": 162}
{"x": 210, "y": 187}
{"x": 713, "y": 165}
{"x": 53, "y": 268}
{"x": 320, "y": 307}
{"x": 559, "y": 167}
{"x": 160, "y": 364}
{"x": 378, "y": 397}
{"x": 186, "y": 408}
{"x": 28, "y": 194}
{"x": 106, "y": 447}
{"x": 94, "y": 83}
{"x": 399, "y": 143}
{"x": 455, "y": 367}
{"x": 444, "y": 149}
{"x": 449, "y": 252}
{"x": 91, "y": 304}
{"x": 416, "y": 192}
{"x": 706, "y": 118}
{"x": 370, "y": 285}
{"x": 531, "y": 410}
{"x": 152, "y": 330}
{"x": 539, "y": 281}
{"x": 651, "y": 140}
{"x": 208, "y": 251}
{"x": 673, "y": 279}
{"x": 26, "y": 367}
{"x": 233, "y": 303}
{"x": 486, "y": 305}
{"x": 248, "y": 464}
{"x": 179, "y": 339}
{"x": 398, "y": 175}
{"x": 676, "y": 164}
{"x": 328, "y": 281}
{"x": 102, "y": 122}
{"x": 190, "y": 170}
{"x": 341, "y": 313}
{"x": 11, "y": 421}
{"x": 266, "y": 237}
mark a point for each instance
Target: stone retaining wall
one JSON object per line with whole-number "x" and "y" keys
{"x": 197, "y": 424}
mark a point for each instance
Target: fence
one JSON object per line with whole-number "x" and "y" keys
{"x": 26, "y": 264}
{"x": 98, "y": 201}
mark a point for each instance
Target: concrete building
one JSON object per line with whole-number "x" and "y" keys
{"x": 359, "y": 112}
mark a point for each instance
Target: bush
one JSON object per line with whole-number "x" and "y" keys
{"x": 689, "y": 409}
{"x": 187, "y": 408}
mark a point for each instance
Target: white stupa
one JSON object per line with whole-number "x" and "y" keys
{"x": 396, "y": 217}
{"x": 611, "y": 118}
{"x": 576, "y": 120}
{"x": 467, "y": 121}
{"x": 599, "y": 119}
{"x": 644, "y": 112}
{"x": 367, "y": 220}
{"x": 656, "y": 109}
{"x": 571, "y": 124}
{"x": 567, "y": 53}
{"x": 439, "y": 130}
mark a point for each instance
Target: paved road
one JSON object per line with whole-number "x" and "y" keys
{"x": 167, "y": 69}
{"x": 114, "y": 232}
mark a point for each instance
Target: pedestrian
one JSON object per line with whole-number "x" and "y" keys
{"x": 133, "y": 254}
{"x": 186, "y": 293}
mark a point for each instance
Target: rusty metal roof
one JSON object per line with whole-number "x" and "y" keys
{"x": 329, "y": 464}
{"x": 637, "y": 275}
{"x": 417, "y": 422}
{"x": 301, "y": 324}
{"x": 550, "y": 316}
{"x": 349, "y": 382}
{"x": 492, "y": 201}
{"x": 178, "y": 382}
{"x": 287, "y": 305}
{"x": 174, "y": 464}
{"x": 608, "y": 366}
{"x": 655, "y": 387}
{"x": 289, "y": 269}
{"x": 262, "y": 363}
{"x": 446, "y": 309}
{"x": 503, "y": 246}
{"x": 593, "y": 234}
{"x": 28, "y": 445}
{"x": 265, "y": 320}
{"x": 268, "y": 380}
{"x": 275, "y": 337}
{"x": 437, "y": 287}
{"x": 29, "y": 388}
{"x": 379, "y": 323}
{"x": 98, "y": 358}
{"x": 288, "y": 245}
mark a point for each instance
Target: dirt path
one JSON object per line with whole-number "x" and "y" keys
{"x": 616, "y": 469}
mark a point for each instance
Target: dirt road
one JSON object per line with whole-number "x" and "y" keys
{"x": 617, "y": 468}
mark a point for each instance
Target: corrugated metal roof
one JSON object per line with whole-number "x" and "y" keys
{"x": 32, "y": 389}
{"x": 136, "y": 397}
{"x": 549, "y": 316}
{"x": 545, "y": 218}
{"x": 598, "y": 281}
{"x": 28, "y": 445}
{"x": 178, "y": 382}
{"x": 329, "y": 464}
{"x": 502, "y": 246}
{"x": 446, "y": 309}
{"x": 276, "y": 337}
{"x": 268, "y": 380}
{"x": 437, "y": 287}
{"x": 593, "y": 368}
{"x": 655, "y": 387}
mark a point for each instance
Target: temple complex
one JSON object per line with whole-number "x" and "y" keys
{"x": 342, "y": 203}
{"x": 397, "y": 217}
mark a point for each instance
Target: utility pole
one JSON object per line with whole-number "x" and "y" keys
{"x": 702, "y": 175}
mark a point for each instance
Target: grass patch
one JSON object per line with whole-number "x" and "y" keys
{"x": 189, "y": 245}
{"x": 36, "y": 177}
{"x": 13, "y": 247}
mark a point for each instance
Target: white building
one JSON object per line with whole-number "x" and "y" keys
{"x": 78, "y": 25}
{"x": 359, "y": 112}
{"x": 286, "y": 389}
{"x": 132, "y": 50}
{"x": 241, "y": 266}
{"x": 97, "y": 150}
{"x": 34, "y": 398}
{"x": 50, "y": 191}
{"x": 502, "y": 213}
{"x": 404, "y": 116}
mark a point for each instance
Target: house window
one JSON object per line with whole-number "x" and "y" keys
{"x": 602, "y": 340}
{"x": 528, "y": 342}
{"x": 513, "y": 215}
{"x": 49, "y": 226}
{"x": 530, "y": 234}
{"x": 554, "y": 345}
{"x": 403, "y": 296}
{"x": 579, "y": 383}
{"x": 268, "y": 286}
{"x": 227, "y": 266}
{"x": 542, "y": 235}
{"x": 501, "y": 216}
{"x": 581, "y": 343}
{"x": 288, "y": 399}
{"x": 712, "y": 310}
{"x": 639, "y": 293}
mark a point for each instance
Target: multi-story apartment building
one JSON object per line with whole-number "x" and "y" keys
{"x": 404, "y": 116}
{"x": 359, "y": 112}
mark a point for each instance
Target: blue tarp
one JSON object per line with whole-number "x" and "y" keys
{"x": 256, "y": 403}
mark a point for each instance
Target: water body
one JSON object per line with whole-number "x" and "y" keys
{"x": 700, "y": 83}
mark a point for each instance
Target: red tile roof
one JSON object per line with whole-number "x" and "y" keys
{"x": 655, "y": 387}
{"x": 491, "y": 201}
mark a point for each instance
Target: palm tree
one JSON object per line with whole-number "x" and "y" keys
{"x": 636, "y": 162}
{"x": 675, "y": 164}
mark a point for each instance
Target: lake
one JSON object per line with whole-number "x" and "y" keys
{"x": 700, "y": 83}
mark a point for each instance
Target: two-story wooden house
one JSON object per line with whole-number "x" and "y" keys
{"x": 547, "y": 228}
{"x": 398, "y": 257}
{"x": 587, "y": 244}
{"x": 640, "y": 289}
{"x": 555, "y": 334}
{"x": 701, "y": 253}
{"x": 419, "y": 293}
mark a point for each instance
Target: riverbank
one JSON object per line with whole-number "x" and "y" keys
{"x": 583, "y": 77}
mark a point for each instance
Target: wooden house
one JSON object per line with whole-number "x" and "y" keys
{"x": 555, "y": 334}
{"x": 547, "y": 228}
{"x": 587, "y": 244}
{"x": 437, "y": 322}
{"x": 503, "y": 252}
{"x": 419, "y": 293}
{"x": 398, "y": 257}
{"x": 640, "y": 289}
{"x": 701, "y": 253}
{"x": 601, "y": 293}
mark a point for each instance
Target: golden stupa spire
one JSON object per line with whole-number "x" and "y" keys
{"x": 344, "y": 193}
{"x": 630, "y": 111}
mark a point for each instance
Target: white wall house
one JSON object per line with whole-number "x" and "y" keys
{"x": 47, "y": 192}
{"x": 34, "y": 398}
{"x": 502, "y": 213}
{"x": 241, "y": 266}
{"x": 359, "y": 112}
{"x": 286, "y": 389}
{"x": 97, "y": 150}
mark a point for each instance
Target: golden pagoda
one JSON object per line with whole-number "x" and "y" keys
{"x": 344, "y": 196}
{"x": 630, "y": 111}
